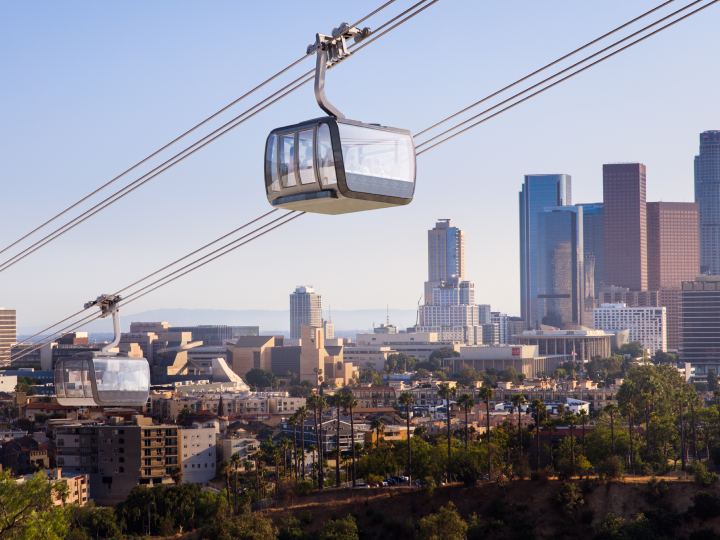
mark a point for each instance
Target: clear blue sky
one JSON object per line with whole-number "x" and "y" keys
{"x": 89, "y": 88}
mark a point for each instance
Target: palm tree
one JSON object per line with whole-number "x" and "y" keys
{"x": 611, "y": 409}
{"x": 406, "y": 399}
{"x": 302, "y": 413}
{"x": 518, "y": 400}
{"x": 379, "y": 427}
{"x": 224, "y": 470}
{"x": 318, "y": 373}
{"x": 349, "y": 403}
{"x": 571, "y": 420}
{"x": 420, "y": 431}
{"x": 486, "y": 394}
{"x": 176, "y": 475}
{"x": 294, "y": 421}
{"x": 318, "y": 403}
{"x": 336, "y": 400}
{"x": 445, "y": 391}
{"x": 285, "y": 444}
{"x": 312, "y": 449}
{"x": 584, "y": 419}
{"x": 467, "y": 403}
{"x": 536, "y": 406}
{"x": 275, "y": 455}
{"x": 236, "y": 462}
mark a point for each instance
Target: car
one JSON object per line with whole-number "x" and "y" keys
{"x": 384, "y": 483}
{"x": 364, "y": 486}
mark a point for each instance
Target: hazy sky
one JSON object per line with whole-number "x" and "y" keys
{"x": 90, "y": 88}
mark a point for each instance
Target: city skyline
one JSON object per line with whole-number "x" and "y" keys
{"x": 486, "y": 209}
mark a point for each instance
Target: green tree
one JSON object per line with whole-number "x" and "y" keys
{"x": 224, "y": 470}
{"x": 318, "y": 403}
{"x": 611, "y": 410}
{"x": 486, "y": 395}
{"x": 712, "y": 380}
{"x": 28, "y": 512}
{"x": 176, "y": 475}
{"x": 518, "y": 401}
{"x": 446, "y": 524}
{"x": 349, "y": 403}
{"x": 303, "y": 414}
{"x": 260, "y": 378}
{"x": 466, "y": 403}
{"x": 407, "y": 400}
{"x": 633, "y": 348}
{"x": 339, "y": 529}
{"x": 445, "y": 391}
{"x": 246, "y": 526}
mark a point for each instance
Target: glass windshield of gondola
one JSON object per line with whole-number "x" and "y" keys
{"x": 326, "y": 162}
{"x": 377, "y": 162}
{"x": 121, "y": 380}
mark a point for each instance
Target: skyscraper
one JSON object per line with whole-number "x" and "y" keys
{"x": 625, "y": 225}
{"x": 539, "y": 191}
{"x": 700, "y": 320}
{"x": 673, "y": 255}
{"x": 594, "y": 242}
{"x": 560, "y": 277}
{"x": 707, "y": 193}
{"x": 8, "y": 332}
{"x": 305, "y": 309}
{"x": 450, "y": 308}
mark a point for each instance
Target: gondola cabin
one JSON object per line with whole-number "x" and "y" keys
{"x": 335, "y": 166}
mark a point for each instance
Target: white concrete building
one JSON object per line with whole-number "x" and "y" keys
{"x": 501, "y": 319}
{"x": 419, "y": 345}
{"x": 9, "y": 382}
{"x": 243, "y": 446}
{"x": 198, "y": 454}
{"x": 648, "y": 325}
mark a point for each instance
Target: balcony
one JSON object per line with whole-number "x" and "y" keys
{"x": 153, "y": 472}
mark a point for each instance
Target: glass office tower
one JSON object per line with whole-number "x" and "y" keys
{"x": 594, "y": 242}
{"x": 707, "y": 193}
{"x": 539, "y": 191}
{"x": 560, "y": 276}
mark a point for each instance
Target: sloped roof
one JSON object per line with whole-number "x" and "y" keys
{"x": 253, "y": 341}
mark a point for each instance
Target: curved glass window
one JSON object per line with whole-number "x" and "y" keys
{"x": 121, "y": 380}
{"x": 287, "y": 160}
{"x": 326, "y": 162}
{"x": 272, "y": 182}
{"x": 74, "y": 378}
{"x": 305, "y": 157}
{"x": 378, "y": 162}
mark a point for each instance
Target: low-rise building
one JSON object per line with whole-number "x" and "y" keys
{"x": 524, "y": 359}
{"x": 550, "y": 391}
{"x": 169, "y": 404}
{"x": 419, "y": 345}
{"x": 197, "y": 457}
{"x": 374, "y": 396}
{"x": 648, "y": 325}
{"x": 78, "y": 492}
{"x": 582, "y": 344}
{"x": 240, "y": 444}
{"x": 24, "y": 455}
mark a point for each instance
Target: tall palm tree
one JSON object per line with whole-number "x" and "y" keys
{"x": 275, "y": 455}
{"x": 317, "y": 402}
{"x": 349, "y": 403}
{"x": 236, "y": 463}
{"x": 294, "y": 421}
{"x": 406, "y": 399}
{"x": 681, "y": 397}
{"x": 584, "y": 419}
{"x": 224, "y": 470}
{"x": 379, "y": 427}
{"x": 486, "y": 395}
{"x": 312, "y": 449}
{"x": 467, "y": 403}
{"x": 445, "y": 391}
{"x": 336, "y": 401}
{"x": 571, "y": 420}
{"x": 518, "y": 401}
{"x": 303, "y": 414}
{"x": 611, "y": 409}
{"x": 536, "y": 405}
{"x": 318, "y": 373}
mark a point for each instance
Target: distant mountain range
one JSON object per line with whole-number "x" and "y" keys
{"x": 269, "y": 321}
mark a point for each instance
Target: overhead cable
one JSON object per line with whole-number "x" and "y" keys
{"x": 556, "y": 82}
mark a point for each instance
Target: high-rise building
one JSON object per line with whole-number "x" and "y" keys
{"x": 594, "y": 243}
{"x": 559, "y": 293}
{"x": 625, "y": 225}
{"x": 648, "y": 325}
{"x": 305, "y": 309}
{"x": 502, "y": 320}
{"x": 707, "y": 194}
{"x": 700, "y": 322}
{"x": 450, "y": 309}
{"x": 446, "y": 252}
{"x": 673, "y": 254}
{"x": 538, "y": 192}
{"x": 8, "y": 332}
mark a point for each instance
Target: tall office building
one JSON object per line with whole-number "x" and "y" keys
{"x": 624, "y": 209}
{"x": 700, "y": 320}
{"x": 305, "y": 309}
{"x": 560, "y": 276}
{"x": 450, "y": 309}
{"x": 707, "y": 194}
{"x": 594, "y": 243}
{"x": 8, "y": 332}
{"x": 538, "y": 192}
{"x": 673, "y": 252}
{"x": 446, "y": 252}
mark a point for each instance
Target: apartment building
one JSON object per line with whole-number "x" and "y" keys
{"x": 553, "y": 391}
{"x": 197, "y": 457}
{"x": 648, "y": 325}
{"x": 169, "y": 405}
{"x": 227, "y": 445}
{"x": 369, "y": 397}
{"x": 78, "y": 492}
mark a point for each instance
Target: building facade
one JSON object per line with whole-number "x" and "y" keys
{"x": 625, "y": 225}
{"x": 502, "y": 320}
{"x": 579, "y": 345}
{"x": 707, "y": 195}
{"x": 216, "y": 335}
{"x": 305, "y": 309}
{"x": 446, "y": 252}
{"x": 700, "y": 323}
{"x": 8, "y": 333}
{"x": 538, "y": 191}
{"x": 647, "y": 325}
{"x": 594, "y": 243}
{"x": 560, "y": 279}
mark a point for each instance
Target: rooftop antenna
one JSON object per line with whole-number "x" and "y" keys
{"x": 388, "y": 314}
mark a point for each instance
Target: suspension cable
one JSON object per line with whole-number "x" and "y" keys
{"x": 127, "y": 299}
{"x": 561, "y": 80}
{"x": 180, "y": 157}
{"x": 547, "y": 66}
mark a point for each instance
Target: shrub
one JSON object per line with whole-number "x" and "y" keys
{"x": 446, "y": 525}
{"x": 304, "y": 488}
{"x": 341, "y": 529}
{"x": 569, "y": 499}
{"x": 706, "y": 505}
{"x": 306, "y": 517}
{"x": 612, "y": 467}
{"x": 656, "y": 489}
{"x": 703, "y": 476}
{"x": 541, "y": 475}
